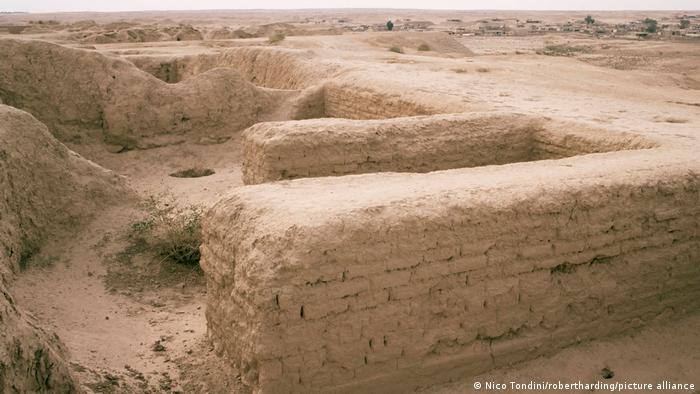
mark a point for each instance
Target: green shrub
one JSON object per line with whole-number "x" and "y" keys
{"x": 651, "y": 25}
{"x": 396, "y": 49}
{"x": 170, "y": 231}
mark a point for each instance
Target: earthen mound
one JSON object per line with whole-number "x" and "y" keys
{"x": 44, "y": 189}
{"x": 73, "y": 90}
{"x": 277, "y": 68}
{"x": 128, "y": 32}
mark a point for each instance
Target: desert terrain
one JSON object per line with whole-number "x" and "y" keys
{"x": 279, "y": 139}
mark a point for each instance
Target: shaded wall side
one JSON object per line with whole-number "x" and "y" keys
{"x": 360, "y": 102}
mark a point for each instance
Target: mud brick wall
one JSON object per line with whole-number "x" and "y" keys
{"x": 331, "y": 147}
{"x": 327, "y": 284}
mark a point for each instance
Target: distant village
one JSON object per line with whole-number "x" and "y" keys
{"x": 683, "y": 26}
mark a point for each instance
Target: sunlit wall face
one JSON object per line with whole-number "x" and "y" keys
{"x": 135, "y": 5}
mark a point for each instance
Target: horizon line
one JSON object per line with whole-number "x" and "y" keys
{"x": 353, "y": 9}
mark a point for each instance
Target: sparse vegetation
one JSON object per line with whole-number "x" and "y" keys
{"x": 589, "y": 20}
{"x": 195, "y": 172}
{"x": 170, "y": 231}
{"x": 423, "y": 47}
{"x": 275, "y": 38}
{"x": 685, "y": 23}
{"x": 482, "y": 70}
{"x": 563, "y": 50}
{"x": 459, "y": 70}
{"x": 390, "y": 25}
{"x": 396, "y": 49}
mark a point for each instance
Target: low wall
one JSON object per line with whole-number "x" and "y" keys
{"x": 387, "y": 282}
{"x": 330, "y": 147}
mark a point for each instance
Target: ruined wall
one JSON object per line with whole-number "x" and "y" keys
{"x": 72, "y": 90}
{"x": 289, "y": 69}
{"x": 386, "y": 282}
{"x": 44, "y": 187}
{"x": 275, "y": 68}
{"x": 330, "y": 147}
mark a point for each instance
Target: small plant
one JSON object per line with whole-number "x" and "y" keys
{"x": 390, "y": 25}
{"x": 589, "y": 20}
{"x": 563, "y": 50}
{"x": 685, "y": 23}
{"x": 172, "y": 232}
{"x": 396, "y": 49}
{"x": 275, "y": 38}
{"x": 482, "y": 70}
{"x": 423, "y": 47}
{"x": 195, "y": 172}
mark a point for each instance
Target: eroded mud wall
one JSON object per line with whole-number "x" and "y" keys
{"x": 312, "y": 148}
{"x": 266, "y": 67}
{"x": 331, "y": 147}
{"x": 44, "y": 189}
{"x": 329, "y": 284}
{"x": 73, "y": 91}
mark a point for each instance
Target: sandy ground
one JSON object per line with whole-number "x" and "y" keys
{"x": 665, "y": 351}
{"x": 133, "y": 324}
{"x": 112, "y": 326}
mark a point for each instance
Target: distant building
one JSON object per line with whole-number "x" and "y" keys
{"x": 416, "y": 25}
{"x": 492, "y": 30}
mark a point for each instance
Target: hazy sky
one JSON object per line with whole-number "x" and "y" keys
{"x": 133, "y": 5}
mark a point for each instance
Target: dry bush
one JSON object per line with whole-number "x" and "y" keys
{"x": 459, "y": 70}
{"x": 423, "y": 47}
{"x": 170, "y": 231}
{"x": 275, "y": 38}
{"x": 195, "y": 172}
{"x": 395, "y": 49}
{"x": 482, "y": 70}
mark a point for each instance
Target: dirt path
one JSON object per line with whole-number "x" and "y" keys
{"x": 121, "y": 337}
